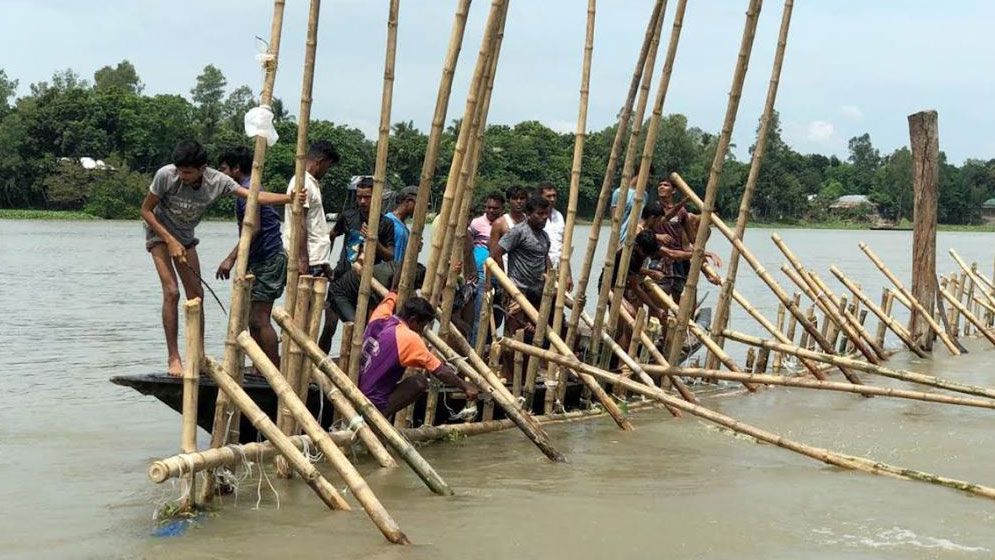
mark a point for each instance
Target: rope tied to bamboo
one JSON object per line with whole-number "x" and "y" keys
{"x": 355, "y": 424}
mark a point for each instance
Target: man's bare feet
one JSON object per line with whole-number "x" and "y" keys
{"x": 175, "y": 367}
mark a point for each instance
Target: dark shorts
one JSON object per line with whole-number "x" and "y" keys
{"x": 271, "y": 277}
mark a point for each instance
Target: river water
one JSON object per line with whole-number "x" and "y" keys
{"x": 81, "y": 302}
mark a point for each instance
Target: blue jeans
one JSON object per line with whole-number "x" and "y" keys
{"x": 478, "y": 305}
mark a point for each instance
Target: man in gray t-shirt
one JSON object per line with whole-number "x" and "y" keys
{"x": 527, "y": 247}
{"x": 177, "y": 199}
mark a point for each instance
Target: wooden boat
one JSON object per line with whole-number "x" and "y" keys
{"x": 169, "y": 390}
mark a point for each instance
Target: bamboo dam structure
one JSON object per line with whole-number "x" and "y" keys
{"x": 828, "y": 334}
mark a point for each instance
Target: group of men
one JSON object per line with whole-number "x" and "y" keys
{"x": 526, "y": 241}
{"x": 181, "y": 192}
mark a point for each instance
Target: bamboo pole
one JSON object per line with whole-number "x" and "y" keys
{"x": 627, "y": 170}
{"x": 521, "y": 418}
{"x": 808, "y": 283}
{"x": 887, "y": 300}
{"x": 762, "y": 359}
{"x": 323, "y": 441}
{"x": 295, "y": 363}
{"x": 926, "y": 315}
{"x": 223, "y": 411}
{"x": 881, "y": 314}
{"x": 300, "y": 170}
{"x": 651, "y": 40}
{"x": 319, "y": 292}
{"x": 805, "y": 383}
{"x": 972, "y": 274}
{"x": 379, "y": 176}
{"x": 637, "y": 326}
{"x": 712, "y": 187}
{"x": 970, "y": 317}
{"x": 486, "y": 312}
{"x": 663, "y": 299}
{"x": 191, "y": 388}
{"x": 365, "y": 407}
{"x": 649, "y": 146}
{"x": 779, "y": 328}
{"x": 761, "y": 272}
{"x": 454, "y": 242}
{"x": 493, "y": 365}
{"x": 823, "y": 455}
{"x": 958, "y": 289}
{"x": 580, "y": 136}
{"x": 599, "y": 393}
{"x": 233, "y": 455}
{"x": 516, "y": 371}
{"x": 268, "y": 428}
{"x": 860, "y": 365}
{"x": 649, "y": 344}
{"x": 542, "y": 325}
{"x": 849, "y": 315}
{"x": 473, "y": 96}
{"x": 968, "y": 296}
{"x": 425, "y": 182}
{"x": 721, "y": 318}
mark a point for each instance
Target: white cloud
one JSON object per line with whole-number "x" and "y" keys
{"x": 852, "y": 112}
{"x": 820, "y": 132}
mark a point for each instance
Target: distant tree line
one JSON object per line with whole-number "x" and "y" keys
{"x": 44, "y": 133}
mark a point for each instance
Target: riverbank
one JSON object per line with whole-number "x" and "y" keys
{"x": 72, "y": 215}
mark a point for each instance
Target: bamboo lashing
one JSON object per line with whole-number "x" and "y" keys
{"x": 926, "y": 315}
{"x": 881, "y": 314}
{"x": 267, "y": 427}
{"x": 223, "y": 412}
{"x": 474, "y": 94}
{"x": 861, "y": 365}
{"x": 597, "y": 391}
{"x": 721, "y": 318}
{"x": 651, "y": 41}
{"x": 627, "y": 169}
{"x": 580, "y": 135}
{"x": 379, "y": 176}
{"x": 761, "y": 272}
{"x": 823, "y": 455}
{"x": 664, "y": 300}
{"x": 191, "y": 388}
{"x": 373, "y": 416}
{"x": 323, "y": 441}
{"x": 712, "y": 186}
{"x": 427, "y": 176}
{"x": 649, "y": 146}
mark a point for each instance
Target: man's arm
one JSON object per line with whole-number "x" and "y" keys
{"x": 447, "y": 375}
{"x": 176, "y": 250}
{"x": 267, "y": 198}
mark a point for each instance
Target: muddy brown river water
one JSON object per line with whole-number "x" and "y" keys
{"x": 80, "y": 303}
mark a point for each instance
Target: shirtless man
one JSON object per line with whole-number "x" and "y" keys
{"x": 516, "y": 214}
{"x": 178, "y": 196}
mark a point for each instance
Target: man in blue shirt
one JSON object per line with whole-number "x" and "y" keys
{"x": 267, "y": 259}
{"x": 402, "y": 211}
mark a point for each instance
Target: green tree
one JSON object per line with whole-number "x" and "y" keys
{"x": 122, "y": 77}
{"x": 208, "y": 96}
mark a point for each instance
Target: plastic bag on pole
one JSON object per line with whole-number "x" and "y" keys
{"x": 259, "y": 122}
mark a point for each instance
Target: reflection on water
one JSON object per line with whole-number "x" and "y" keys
{"x": 81, "y": 303}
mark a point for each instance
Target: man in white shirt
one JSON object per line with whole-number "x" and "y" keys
{"x": 314, "y": 240}
{"x": 555, "y": 226}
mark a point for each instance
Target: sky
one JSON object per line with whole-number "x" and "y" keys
{"x": 852, "y": 66}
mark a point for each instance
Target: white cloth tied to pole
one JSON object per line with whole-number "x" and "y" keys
{"x": 259, "y": 122}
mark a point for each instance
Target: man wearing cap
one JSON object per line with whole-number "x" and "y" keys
{"x": 404, "y": 209}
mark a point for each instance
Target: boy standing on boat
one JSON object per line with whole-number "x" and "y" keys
{"x": 403, "y": 209}
{"x": 267, "y": 260}
{"x": 392, "y": 343}
{"x": 555, "y": 228}
{"x": 527, "y": 247}
{"x": 479, "y": 233}
{"x": 314, "y": 242}
{"x": 177, "y": 199}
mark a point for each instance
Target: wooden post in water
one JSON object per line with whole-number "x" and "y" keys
{"x": 688, "y": 297}
{"x": 432, "y": 151}
{"x": 379, "y": 177}
{"x": 191, "y": 388}
{"x": 223, "y": 411}
{"x": 323, "y": 441}
{"x": 721, "y": 318}
{"x": 925, "y": 137}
